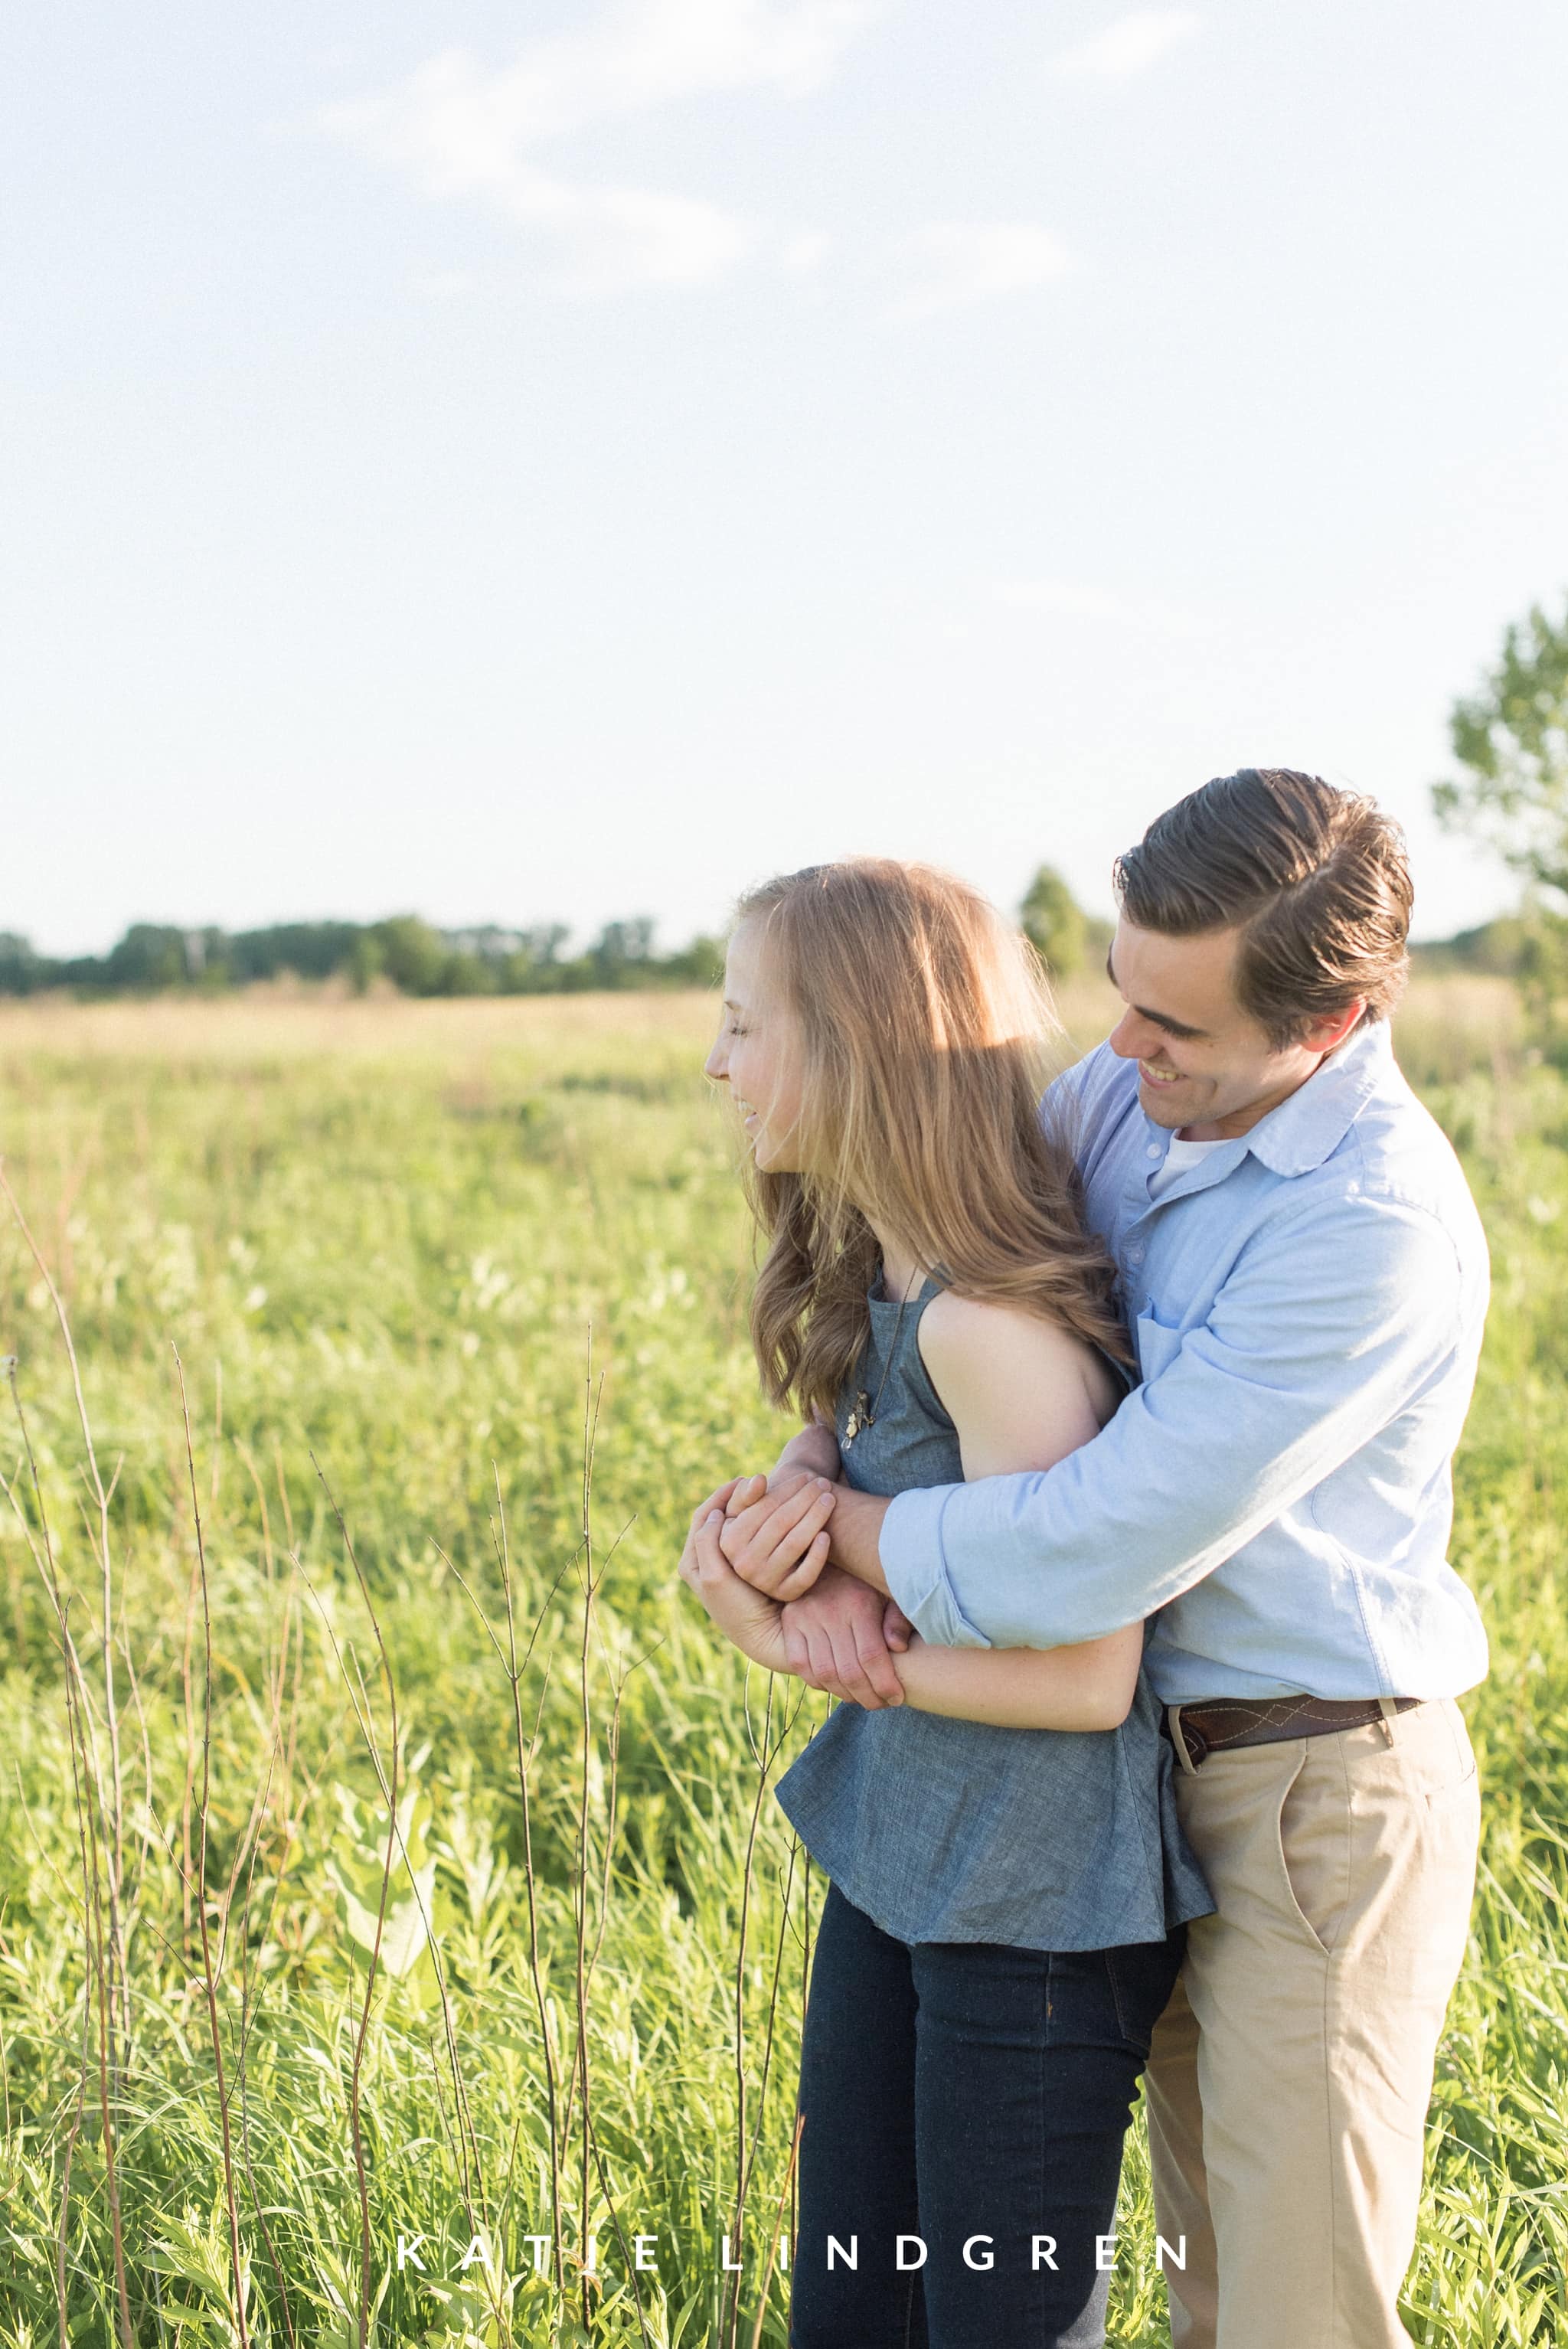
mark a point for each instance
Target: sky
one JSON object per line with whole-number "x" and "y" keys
{"x": 567, "y": 462}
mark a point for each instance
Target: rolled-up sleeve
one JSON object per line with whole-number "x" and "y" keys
{"x": 924, "y": 1587}
{"x": 1337, "y": 1315}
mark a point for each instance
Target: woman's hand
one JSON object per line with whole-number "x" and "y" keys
{"x": 775, "y": 1536}
{"x": 753, "y": 1622}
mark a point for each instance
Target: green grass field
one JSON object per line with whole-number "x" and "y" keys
{"x": 415, "y": 1258}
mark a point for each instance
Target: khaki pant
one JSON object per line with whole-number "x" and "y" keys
{"x": 1290, "y": 2075}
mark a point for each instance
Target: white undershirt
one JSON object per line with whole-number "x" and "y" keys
{"x": 1178, "y": 1158}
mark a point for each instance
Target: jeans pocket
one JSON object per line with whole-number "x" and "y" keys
{"x": 1142, "y": 1977}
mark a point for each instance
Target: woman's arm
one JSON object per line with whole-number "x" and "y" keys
{"x": 1089, "y": 1687}
{"x": 814, "y": 1450}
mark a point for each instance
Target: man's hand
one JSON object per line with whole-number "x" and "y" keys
{"x": 839, "y": 1638}
{"x": 775, "y": 1539}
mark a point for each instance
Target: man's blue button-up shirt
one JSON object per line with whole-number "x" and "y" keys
{"x": 1307, "y": 1303}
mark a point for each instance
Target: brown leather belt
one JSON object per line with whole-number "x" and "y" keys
{"x": 1199, "y": 1730}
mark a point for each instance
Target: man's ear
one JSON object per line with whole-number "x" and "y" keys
{"x": 1333, "y": 1031}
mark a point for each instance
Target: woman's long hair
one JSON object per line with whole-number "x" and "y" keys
{"x": 927, "y": 1029}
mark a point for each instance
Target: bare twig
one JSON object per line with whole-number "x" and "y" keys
{"x": 388, "y": 1780}
{"x": 526, "y": 1749}
{"x": 242, "y": 2075}
{"x": 766, "y": 1758}
{"x": 580, "y": 1872}
{"x": 85, "y": 1772}
{"x": 209, "y": 1975}
{"x": 786, "y": 2191}
{"x": 118, "y": 1994}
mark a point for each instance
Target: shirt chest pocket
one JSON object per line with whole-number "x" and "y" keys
{"x": 1158, "y": 1345}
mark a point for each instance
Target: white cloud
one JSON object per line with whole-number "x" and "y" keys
{"x": 802, "y": 254}
{"x": 958, "y": 261}
{"x": 609, "y": 237}
{"x": 461, "y": 128}
{"x": 1130, "y": 45}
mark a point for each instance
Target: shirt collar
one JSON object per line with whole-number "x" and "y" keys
{"x": 1309, "y": 1126}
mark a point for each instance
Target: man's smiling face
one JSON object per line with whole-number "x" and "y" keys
{"x": 1205, "y": 1067}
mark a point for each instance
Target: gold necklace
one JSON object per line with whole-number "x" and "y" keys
{"x": 864, "y": 1413}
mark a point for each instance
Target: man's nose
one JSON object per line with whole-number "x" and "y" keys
{"x": 1130, "y": 1036}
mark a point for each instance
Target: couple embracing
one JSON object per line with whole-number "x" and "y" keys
{"x": 1119, "y": 1522}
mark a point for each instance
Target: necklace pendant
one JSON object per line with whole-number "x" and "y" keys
{"x": 860, "y": 1417}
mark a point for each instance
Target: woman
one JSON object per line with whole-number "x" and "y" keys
{"x": 1008, "y": 1885}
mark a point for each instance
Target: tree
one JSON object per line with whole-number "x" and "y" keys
{"x": 413, "y": 955}
{"x": 22, "y": 968}
{"x": 152, "y": 956}
{"x": 621, "y": 952}
{"x": 1512, "y": 739}
{"x": 308, "y": 949}
{"x": 1053, "y": 923}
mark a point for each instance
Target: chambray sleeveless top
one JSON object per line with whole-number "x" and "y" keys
{"x": 946, "y": 1830}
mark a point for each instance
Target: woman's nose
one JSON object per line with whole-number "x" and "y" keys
{"x": 717, "y": 1064}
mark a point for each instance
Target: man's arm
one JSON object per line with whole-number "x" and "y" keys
{"x": 1330, "y": 1324}
{"x": 1078, "y": 1689}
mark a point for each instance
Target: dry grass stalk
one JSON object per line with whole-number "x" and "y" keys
{"x": 112, "y": 1814}
{"x": 98, "y": 1826}
{"x": 785, "y": 2194}
{"x": 209, "y": 1971}
{"x": 763, "y": 1754}
{"x": 388, "y": 1781}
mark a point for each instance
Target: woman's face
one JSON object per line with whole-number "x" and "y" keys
{"x": 759, "y": 1055}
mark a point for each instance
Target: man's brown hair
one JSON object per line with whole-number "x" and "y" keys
{"x": 1316, "y": 880}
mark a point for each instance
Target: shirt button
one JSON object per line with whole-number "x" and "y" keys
{"x": 1154, "y": 1150}
{"x": 1135, "y": 1256}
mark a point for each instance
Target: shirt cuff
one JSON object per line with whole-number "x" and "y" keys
{"x": 909, "y": 1548}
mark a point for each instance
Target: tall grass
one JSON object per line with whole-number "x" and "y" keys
{"x": 388, "y": 1865}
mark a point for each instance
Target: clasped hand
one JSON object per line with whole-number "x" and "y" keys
{"x": 755, "y": 1557}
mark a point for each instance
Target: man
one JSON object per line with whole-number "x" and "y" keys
{"x": 1306, "y": 1276}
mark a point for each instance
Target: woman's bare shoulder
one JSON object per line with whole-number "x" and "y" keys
{"x": 970, "y": 1340}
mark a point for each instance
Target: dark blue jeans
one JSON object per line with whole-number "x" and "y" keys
{"x": 955, "y": 2090}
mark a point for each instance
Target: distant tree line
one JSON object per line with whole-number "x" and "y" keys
{"x": 415, "y": 958}
{"x": 154, "y": 958}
